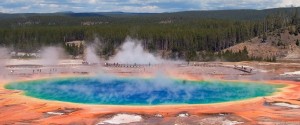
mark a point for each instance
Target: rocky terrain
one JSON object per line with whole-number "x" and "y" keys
{"x": 280, "y": 44}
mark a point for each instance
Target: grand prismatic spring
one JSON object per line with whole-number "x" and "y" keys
{"x": 138, "y": 91}
{"x": 120, "y": 95}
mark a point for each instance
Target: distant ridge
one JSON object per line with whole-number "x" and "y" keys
{"x": 83, "y": 14}
{"x": 238, "y": 14}
{"x": 65, "y": 12}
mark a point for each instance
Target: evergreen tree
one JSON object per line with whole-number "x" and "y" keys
{"x": 295, "y": 18}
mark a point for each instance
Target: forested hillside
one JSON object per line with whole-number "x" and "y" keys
{"x": 193, "y": 35}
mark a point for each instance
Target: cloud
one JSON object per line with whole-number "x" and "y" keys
{"x": 5, "y": 10}
{"x": 288, "y": 3}
{"x": 45, "y": 6}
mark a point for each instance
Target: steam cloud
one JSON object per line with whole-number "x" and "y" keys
{"x": 158, "y": 82}
{"x": 3, "y": 58}
{"x": 132, "y": 52}
{"x": 3, "y": 53}
{"x": 51, "y": 55}
{"x": 90, "y": 55}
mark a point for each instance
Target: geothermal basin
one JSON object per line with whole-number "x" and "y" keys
{"x": 113, "y": 90}
{"x": 79, "y": 94}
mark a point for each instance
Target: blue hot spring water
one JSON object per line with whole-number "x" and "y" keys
{"x": 138, "y": 91}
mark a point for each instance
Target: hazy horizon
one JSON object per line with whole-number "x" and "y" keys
{"x": 137, "y": 6}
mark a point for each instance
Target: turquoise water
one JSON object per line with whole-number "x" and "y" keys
{"x": 137, "y": 91}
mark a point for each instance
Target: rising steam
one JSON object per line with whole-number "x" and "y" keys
{"x": 91, "y": 56}
{"x": 51, "y": 55}
{"x": 132, "y": 52}
{"x": 4, "y": 53}
{"x": 4, "y": 56}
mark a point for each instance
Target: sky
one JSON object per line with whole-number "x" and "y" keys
{"x": 137, "y": 6}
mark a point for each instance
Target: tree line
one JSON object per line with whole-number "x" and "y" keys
{"x": 183, "y": 37}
